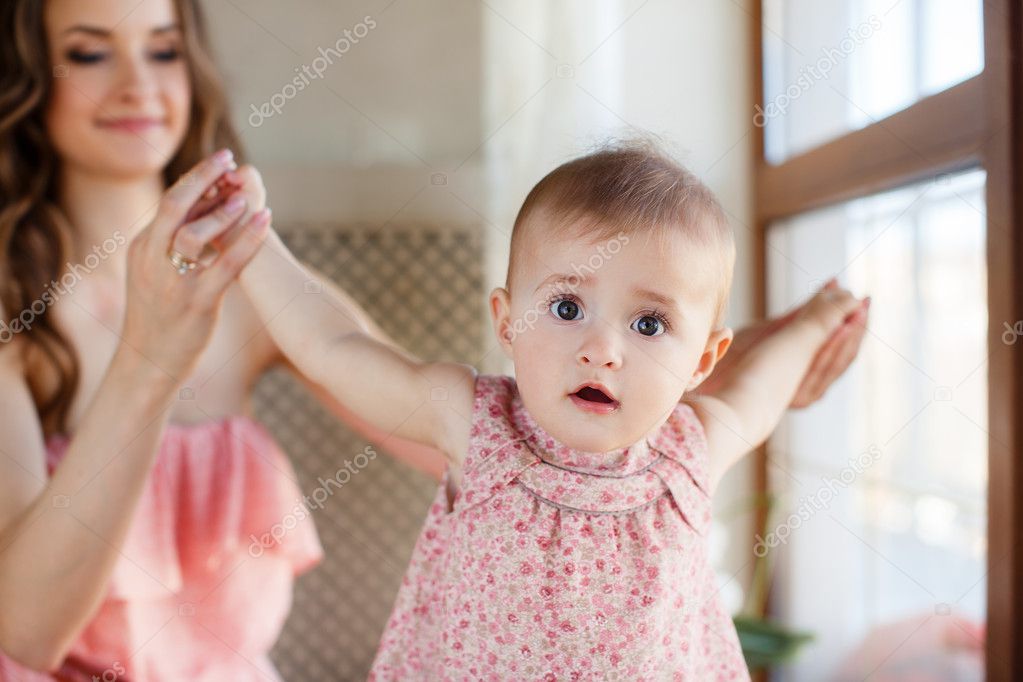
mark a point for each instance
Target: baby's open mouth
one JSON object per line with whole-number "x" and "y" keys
{"x": 595, "y": 398}
{"x": 594, "y": 395}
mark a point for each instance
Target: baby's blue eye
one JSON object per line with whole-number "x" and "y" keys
{"x": 648, "y": 325}
{"x": 566, "y": 309}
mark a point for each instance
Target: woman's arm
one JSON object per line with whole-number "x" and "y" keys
{"x": 748, "y": 403}
{"x": 60, "y": 537}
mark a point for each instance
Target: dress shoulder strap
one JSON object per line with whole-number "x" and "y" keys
{"x": 496, "y": 453}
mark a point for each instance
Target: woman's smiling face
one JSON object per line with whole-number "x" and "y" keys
{"x": 630, "y": 316}
{"x": 121, "y": 92}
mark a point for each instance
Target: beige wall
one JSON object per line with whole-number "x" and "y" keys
{"x": 447, "y": 112}
{"x": 365, "y": 141}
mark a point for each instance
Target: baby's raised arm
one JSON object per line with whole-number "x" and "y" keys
{"x": 321, "y": 334}
{"x": 749, "y": 404}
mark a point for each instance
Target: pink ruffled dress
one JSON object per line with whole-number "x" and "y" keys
{"x": 200, "y": 591}
{"x": 556, "y": 564}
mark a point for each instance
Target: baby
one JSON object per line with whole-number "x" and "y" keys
{"x": 569, "y": 539}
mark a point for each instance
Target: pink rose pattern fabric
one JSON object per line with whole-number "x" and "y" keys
{"x": 556, "y": 564}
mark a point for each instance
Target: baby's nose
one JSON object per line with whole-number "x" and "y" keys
{"x": 600, "y": 350}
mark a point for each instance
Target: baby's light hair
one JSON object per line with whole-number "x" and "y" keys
{"x": 631, "y": 187}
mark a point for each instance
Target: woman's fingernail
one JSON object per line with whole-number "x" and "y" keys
{"x": 235, "y": 204}
{"x": 259, "y": 221}
{"x": 224, "y": 157}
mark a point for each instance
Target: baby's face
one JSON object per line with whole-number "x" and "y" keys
{"x": 629, "y": 317}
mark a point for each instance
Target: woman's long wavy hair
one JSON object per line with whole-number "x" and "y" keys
{"x": 34, "y": 235}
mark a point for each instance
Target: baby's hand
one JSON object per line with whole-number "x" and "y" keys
{"x": 829, "y": 308}
{"x": 245, "y": 181}
{"x": 249, "y": 184}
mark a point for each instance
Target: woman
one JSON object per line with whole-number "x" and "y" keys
{"x": 130, "y": 473}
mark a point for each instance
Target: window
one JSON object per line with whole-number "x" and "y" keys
{"x": 891, "y": 470}
{"x": 899, "y": 170}
{"x": 832, "y": 67}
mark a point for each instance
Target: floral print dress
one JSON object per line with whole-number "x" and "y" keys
{"x": 555, "y": 564}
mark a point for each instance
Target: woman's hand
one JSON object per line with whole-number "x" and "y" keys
{"x": 169, "y": 316}
{"x": 830, "y": 362}
{"x": 837, "y": 353}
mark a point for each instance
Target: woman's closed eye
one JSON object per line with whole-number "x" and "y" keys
{"x": 168, "y": 55}
{"x": 86, "y": 57}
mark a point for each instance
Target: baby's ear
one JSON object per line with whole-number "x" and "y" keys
{"x": 500, "y": 316}
{"x": 718, "y": 343}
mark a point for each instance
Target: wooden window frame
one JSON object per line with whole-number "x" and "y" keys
{"x": 977, "y": 123}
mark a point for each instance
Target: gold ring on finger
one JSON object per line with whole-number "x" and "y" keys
{"x": 182, "y": 263}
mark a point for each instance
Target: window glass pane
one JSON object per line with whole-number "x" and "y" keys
{"x": 880, "y": 525}
{"x": 831, "y": 67}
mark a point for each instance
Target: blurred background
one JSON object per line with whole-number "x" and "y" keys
{"x": 397, "y": 140}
